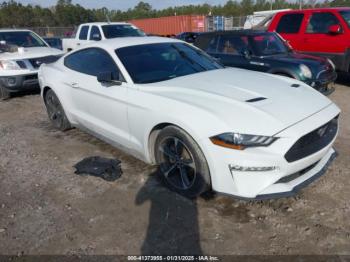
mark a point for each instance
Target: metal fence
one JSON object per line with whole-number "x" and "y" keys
{"x": 221, "y": 23}
{"x": 53, "y": 31}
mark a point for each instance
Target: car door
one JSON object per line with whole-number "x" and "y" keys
{"x": 289, "y": 27}
{"x": 230, "y": 50}
{"x": 99, "y": 107}
{"x": 318, "y": 39}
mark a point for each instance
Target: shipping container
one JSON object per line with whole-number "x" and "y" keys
{"x": 171, "y": 25}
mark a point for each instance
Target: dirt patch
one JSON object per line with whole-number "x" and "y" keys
{"x": 46, "y": 209}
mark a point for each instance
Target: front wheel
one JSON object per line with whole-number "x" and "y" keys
{"x": 182, "y": 164}
{"x": 55, "y": 111}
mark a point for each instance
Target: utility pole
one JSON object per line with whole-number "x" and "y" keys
{"x": 300, "y": 4}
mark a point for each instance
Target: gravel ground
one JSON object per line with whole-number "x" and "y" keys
{"x": 47, "y": 209}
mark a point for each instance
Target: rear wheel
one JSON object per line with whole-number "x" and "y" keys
{"x": 55, "y": 111}
{"x": 183, "y": 167}
{"x": 4, "y": 93}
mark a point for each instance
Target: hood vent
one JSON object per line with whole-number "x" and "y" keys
{"x": 256, "y": 99}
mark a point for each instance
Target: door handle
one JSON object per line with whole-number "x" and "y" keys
{"x": 78, "y": 43}
{"x": 74, "y": 85}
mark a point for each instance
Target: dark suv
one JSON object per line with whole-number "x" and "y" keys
{"x": 268, "y": 52}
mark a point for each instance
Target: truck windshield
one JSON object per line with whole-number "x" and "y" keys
{"x": 150, "y": 63}
{"x": 21, "y": 39}
{"x": 346, "y": 15}
{"x": 114, "y": 31}
{"x": 268, "y": 44}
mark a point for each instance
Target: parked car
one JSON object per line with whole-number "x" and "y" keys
{"x": 267, "y": 52}
{"x": 188, "y": 37}
{"x": 91, "y": 32}
{"x": 321, "y": 31}
{"x": 21, "y": 54}
{"x": 54, "y": 42}
{"x": 166, "y": 102}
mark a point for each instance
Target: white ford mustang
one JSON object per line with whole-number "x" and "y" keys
{"x": 239, "y": 132}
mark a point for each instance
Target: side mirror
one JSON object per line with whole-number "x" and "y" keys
{"x": 247, "y": 54}
{"x": 107, "y": 78}
{"x": 96, "y": 37}
{"x": 335, "y": 29}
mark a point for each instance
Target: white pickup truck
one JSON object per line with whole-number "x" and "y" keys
{"x": 21, "y": 54}
{"x": 99, "y": 31}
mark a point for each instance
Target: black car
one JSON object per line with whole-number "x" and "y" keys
{"x": 268, "y": 52}
{"x": 188, "y": 37}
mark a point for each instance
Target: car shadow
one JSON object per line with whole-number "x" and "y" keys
{"x": 173, "y": 221}
{"x": 343, "y": 79}
{"x": 25, "y": 93}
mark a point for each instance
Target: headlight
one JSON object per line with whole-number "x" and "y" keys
{"x": 305, "y": 70}
{"x": 241, "y": 141}
{"x": 9, "y": 65}
{"x": 331, "y": 62}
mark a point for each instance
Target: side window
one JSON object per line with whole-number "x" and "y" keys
{"x": 95, "y": 33}
{"x": 290, "y": 23}
{"x": 232, "y": 44}
{"x": 320, "y": 22}
{"x": 84, "y": 32}
{"x": 212, "y": 45}
{"x": 92, "y": 61}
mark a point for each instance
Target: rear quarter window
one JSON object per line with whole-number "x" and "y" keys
{"x": 290, "y": 23}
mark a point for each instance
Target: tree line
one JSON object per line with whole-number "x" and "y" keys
{"x": 65, "y": 13}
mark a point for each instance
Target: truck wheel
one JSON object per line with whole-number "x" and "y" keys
{"x": 4, "y": 93}
{"x": 55, "y": 111}
{"x": 182, "y": 165}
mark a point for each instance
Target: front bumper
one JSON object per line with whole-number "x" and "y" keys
{"x": 324, "y": 82}
{"x": 15, "y": 83}
{"x": 278, "y": 178}
{"x": 292, "y": 184}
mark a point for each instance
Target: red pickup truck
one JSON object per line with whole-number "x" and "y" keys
{"x": 322, "y": 32}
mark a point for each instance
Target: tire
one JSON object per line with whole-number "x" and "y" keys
{"x": 183, "y": 168}
{"x": 4, "y": 93}
{"x": 55, "y": 111}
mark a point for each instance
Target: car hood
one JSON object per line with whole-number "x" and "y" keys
{"x": 315, "y": 63}
{"x": 31, "y": 52}
{"x": 226, "y": 94}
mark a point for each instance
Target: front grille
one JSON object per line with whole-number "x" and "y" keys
{"x": 313, "y": 141}
{"x": 36, "y": 62}
{"x": 21, "y": 64}
{"x": 31, "y": 77}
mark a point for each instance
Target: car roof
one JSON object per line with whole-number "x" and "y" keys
{"x": 14, "y": 30}
{"x": 314, "y": 10}
{"x": 106, "y": 23}
{"x": 237, "y": 32}
{"x": 120, "y": 42}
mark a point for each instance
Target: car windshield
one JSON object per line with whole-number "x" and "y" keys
{"x": 21, "y": 39}
{"x": 268, "y": 44}
{"x": 151, "y": 63}
{"x": 113, "y": 31}
{"x": 346, "y": 15}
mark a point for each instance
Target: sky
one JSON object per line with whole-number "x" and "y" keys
{"x": 124, "y": 4}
